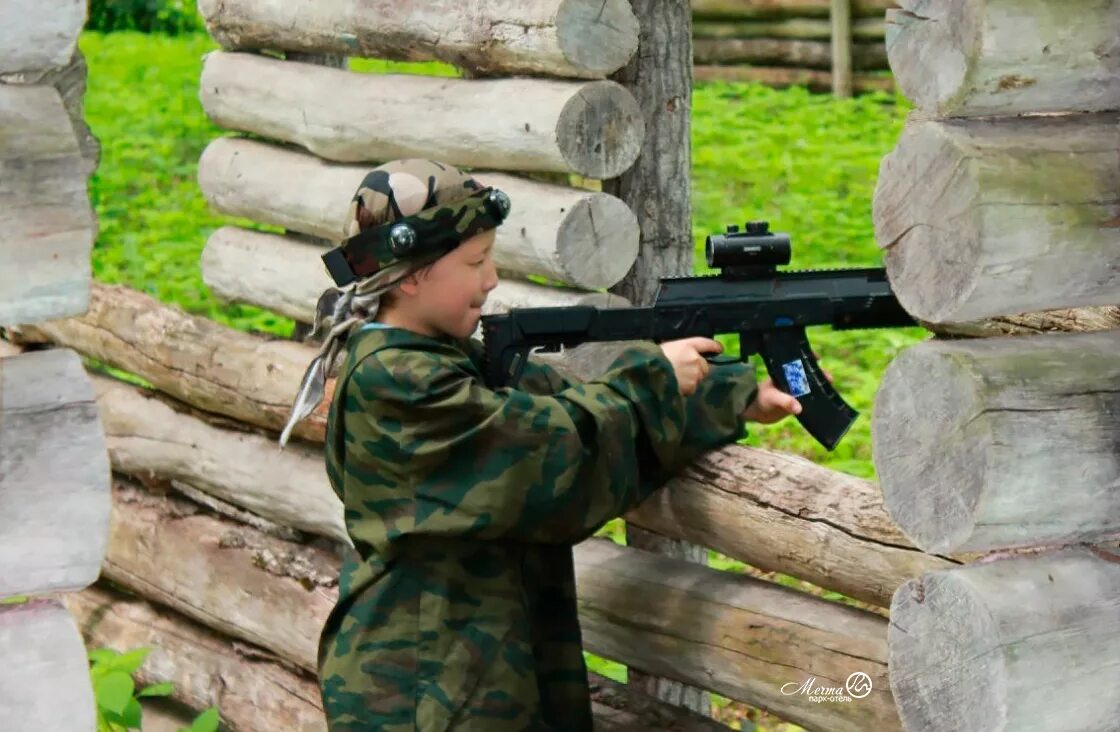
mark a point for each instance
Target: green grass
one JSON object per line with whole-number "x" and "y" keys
{"x": 807, "y": 163}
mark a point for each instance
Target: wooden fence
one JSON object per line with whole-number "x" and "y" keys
{"x": 836, "y": 45}
{"x": 1003, "y": 197}
{"x": 54, "y": 467}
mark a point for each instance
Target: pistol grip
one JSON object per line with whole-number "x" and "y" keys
{"x": 793, "y": 368}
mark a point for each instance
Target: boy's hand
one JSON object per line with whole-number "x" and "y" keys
{"x": 772, "y": 405}
{"x": 688, "y": 361}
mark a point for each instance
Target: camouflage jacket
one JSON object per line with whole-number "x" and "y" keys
{"x": 457, "y": 609}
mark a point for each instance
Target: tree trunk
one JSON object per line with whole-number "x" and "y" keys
{"x": 735, "y": 635}
{"x": 578, "y": 237}
{"x": 592, "y": 128}
{"x": 1069, "y": 320}
{"x": 1001, "y": 442}
{"x": 251, "y": 688}
{"x": 991, "y": 217}
{"x": 54, "y": 475}
{"x": 1006, "y": 57}
{"x": 44, "y": 680}
{"x": 577, "y": 38}
{"x": 1026, "y": 644}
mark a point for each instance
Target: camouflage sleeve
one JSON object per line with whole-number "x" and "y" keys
{"x": 511, "y": 464}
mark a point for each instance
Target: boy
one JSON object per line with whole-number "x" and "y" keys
{"x": 457, "y": 608}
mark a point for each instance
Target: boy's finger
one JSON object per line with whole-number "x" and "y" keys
{"x": 705, "y": 345}
{"x": 794, "y": 406}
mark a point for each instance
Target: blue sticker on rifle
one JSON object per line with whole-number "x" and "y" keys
{"x": 796, "y": 378}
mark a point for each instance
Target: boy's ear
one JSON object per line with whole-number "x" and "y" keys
{"x": 409, "y": 284}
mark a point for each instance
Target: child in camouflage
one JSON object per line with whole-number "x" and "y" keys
{"x": 457, "y": 606}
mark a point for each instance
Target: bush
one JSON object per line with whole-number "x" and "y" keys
{"x": 148, "y": 16}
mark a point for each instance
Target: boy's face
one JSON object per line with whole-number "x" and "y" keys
{"x": 448, "y": 297}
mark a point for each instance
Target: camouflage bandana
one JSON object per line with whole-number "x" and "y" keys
{"x": 412, "y": 209}
{"x": 404, "y": 216}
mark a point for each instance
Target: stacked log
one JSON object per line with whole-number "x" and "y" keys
{"x": 54, "y": 468}
{"x": 787, "y": 42}
{"x": 999, "y": 214}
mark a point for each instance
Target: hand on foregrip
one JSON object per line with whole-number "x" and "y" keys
{"x": 689, "y": 364}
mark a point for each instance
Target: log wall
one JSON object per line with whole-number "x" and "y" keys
{"x": 54, "y": 468}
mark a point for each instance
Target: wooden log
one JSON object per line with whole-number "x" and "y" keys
{"x": 746, "y": 639}
{"x": 989, "y": 217}
{"x": 813, "y": 79}
{"x": 1068, "y": 320}
{"x": 54, "y": 475}
{"x": 189, "y": 561}
{"x": 70, "y": 81}
{"x": 1026, "y": 644}
{"x": 146, "y": 437}
{"x": 228, "y": 576}
{"x": 33, "y": 38}
{"x": 813, "y": 29}
{"x": 593, "y": 128}
{"x": 1006, "y": 57}
{"x": 785, "y": 52}
{"x": 782, "y": 513}
{"x": 582, "y": 238}
{"x": 46, "y": 224}
{"x": 971, "y": 438}
{"x": 251, "y": 688}
{"x": 659, "y": 79}
{"x": 842, "y": 48}
{"x": 576, "y": 38}
{"x": 287, "y": 275}
{"x": 782, "y": 8}
{"x": 44, "y": 680}
{"x": 193, "y": 359}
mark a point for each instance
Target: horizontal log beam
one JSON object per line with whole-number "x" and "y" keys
{"x": 32, "y": 39}
{"x": 784, "y": 52}
{"x": 576, "y": 38}
{"x": 778, "y": 77}
{"x": 783, "y": 8}
{"x": 46, "y": 223}
{"x": 1005, "y": 57}
{"x": 251, "y": 688}
{"x": 1026, "y": 644}
{"x": 989, "y": 217}
{"x": 583, "y": 238}
{"x": 54, "y": 475}
{"x": 287, "y": 276}
{"x": 1068, "y": 320}
{"x": 863, "y": 29}
{"x": 44, "y": 680}
{"x": 197, "y": 361}
{"x": 147, "y": 437}
{"x": 593, "y": 128}
{"x": 166, "y": 552}
{"x": 972, "y": 440}
{"x": 230, "y": 577}
{"x": 782, "y": 513}
{"x": 743, "y": 638}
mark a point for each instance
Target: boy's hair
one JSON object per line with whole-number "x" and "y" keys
{"x": 388, "y": 193}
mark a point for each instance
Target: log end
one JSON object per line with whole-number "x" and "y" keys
{"x": 597, "y": 36}
{"x": 944, "y": 671}
{"x": 931, "y": 49}
{"x": 929, "y": 450}
{"x": 597, "y": 241}
{"x": 600, "y": 130}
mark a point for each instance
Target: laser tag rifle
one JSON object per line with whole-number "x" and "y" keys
{"x": 769, "y": 310}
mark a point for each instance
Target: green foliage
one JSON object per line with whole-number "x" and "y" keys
{"x": 172, "y": 17}
{"x": 16, "y": 600}
{"x": 118, "y": 699}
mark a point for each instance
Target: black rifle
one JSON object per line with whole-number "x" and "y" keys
{"x": 768, "y": 309}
